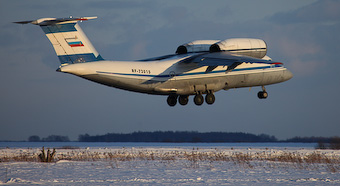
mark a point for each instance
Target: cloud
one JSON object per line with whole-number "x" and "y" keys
{"x": 113, "y": 5}
{"x": 298, "y": 53}
{"x": 175, "y": 14}
{"x": 139, "y": 49}
{"x": 325, "y": 12}
{"x": 305, "y": 37}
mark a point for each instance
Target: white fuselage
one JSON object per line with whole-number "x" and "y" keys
{"x": 170, "y": 76}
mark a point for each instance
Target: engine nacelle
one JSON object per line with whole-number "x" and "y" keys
{"x": 196, "y": 46}
{"x": 244, "y": 46}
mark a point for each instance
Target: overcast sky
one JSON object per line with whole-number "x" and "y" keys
{"x": 37, "y": 100}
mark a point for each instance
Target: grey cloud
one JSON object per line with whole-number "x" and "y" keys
{"x": 120, "y": 4}
{"x": 322, "y": 11}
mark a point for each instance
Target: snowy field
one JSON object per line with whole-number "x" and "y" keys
{"x": 169, "y": 164}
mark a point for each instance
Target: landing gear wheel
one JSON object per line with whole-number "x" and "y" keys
{"x": 210, "y": 98}
{"x": 198, "y": 99}
{"x": 172, "y": 100}
{"x": 183, "y": 100}
{"x": 262, "y": 95}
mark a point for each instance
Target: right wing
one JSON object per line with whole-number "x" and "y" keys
{"x": 213, "y": 60}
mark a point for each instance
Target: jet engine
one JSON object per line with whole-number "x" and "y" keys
{"x": 196, "y": 46}
{"x": 244, "y": 46}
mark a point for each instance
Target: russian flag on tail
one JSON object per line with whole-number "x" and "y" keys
{"x": 75, "y": 44}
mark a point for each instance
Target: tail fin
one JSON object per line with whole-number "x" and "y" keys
{"x": 68, "y": 39}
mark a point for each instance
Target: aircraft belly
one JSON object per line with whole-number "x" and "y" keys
{"x": 193, "y": 85}
{"x": 168, "y": 86}
{"x": 130, "y": 84}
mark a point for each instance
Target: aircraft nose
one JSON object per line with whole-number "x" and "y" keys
{"x": 288, "y": 75}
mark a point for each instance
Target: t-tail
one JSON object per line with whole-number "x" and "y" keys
{"x": 68, "y": 39}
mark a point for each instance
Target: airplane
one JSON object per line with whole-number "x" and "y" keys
{"x": 196, "y": 68}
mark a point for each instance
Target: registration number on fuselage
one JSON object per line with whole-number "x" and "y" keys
{"x": 141, "y": 71}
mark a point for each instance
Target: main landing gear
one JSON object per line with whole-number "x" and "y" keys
{"x": 172, "y": 100}
{"x": 209, "y": 99}
{"x": 262, "y": 94}
{"x": 184, "y": 99}
{"x": 199, "y": 100}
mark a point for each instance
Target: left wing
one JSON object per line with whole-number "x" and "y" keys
{"x": 213, "y": 60}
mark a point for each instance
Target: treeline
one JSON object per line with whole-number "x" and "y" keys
{"x": 176, "y": 137}
{"x": 50, "y": 138}
{"x": 190, "y": 137}
{"x": 312, "y": 139}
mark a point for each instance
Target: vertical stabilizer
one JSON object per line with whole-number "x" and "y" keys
{"x": 68, "y": 39}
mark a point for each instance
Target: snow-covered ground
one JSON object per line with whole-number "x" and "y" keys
{"x": 169, "y": 165}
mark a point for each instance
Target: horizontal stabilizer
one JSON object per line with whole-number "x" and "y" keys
{"x": 52, "y": 21}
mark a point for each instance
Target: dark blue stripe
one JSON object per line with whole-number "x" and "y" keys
{"x": 256, "y": 68}
{"x": 79, "y": 58}
{"x": 189, "y": 74}
{"x": 59, "y": 28}
{"x": 145, "y": 75}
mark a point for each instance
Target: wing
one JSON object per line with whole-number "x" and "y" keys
{"x": 213, "y": 60}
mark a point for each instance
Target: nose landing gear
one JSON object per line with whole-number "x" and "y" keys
{"x": 262, "y": 94}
